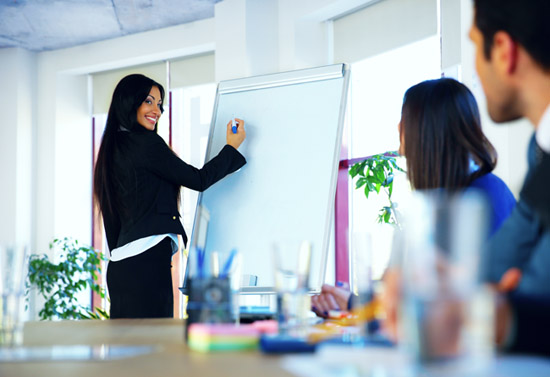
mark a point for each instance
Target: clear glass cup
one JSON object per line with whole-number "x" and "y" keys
{"x": 292, "y": 261}
{"x": 446, "y": 316}
{"x": 13, "y": 273}
{"x": 362, "y": 263}
{"x": 361, "y": 277}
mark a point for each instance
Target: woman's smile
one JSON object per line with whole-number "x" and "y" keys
{"x": 148, "y": 113}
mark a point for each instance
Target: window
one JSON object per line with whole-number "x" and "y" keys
{"x": 376, "y": 93}
{"x": 191, "y": 115}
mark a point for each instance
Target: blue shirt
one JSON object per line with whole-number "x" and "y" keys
{"x": 499, "y": 197}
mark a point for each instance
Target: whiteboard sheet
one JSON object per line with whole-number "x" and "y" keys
{"x": 286, "y": 190}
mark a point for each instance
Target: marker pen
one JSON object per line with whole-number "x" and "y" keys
{"x": 233, "y": 125}
{"x": 228, "y": 262}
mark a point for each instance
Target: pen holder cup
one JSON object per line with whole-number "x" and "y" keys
{"x": 210, "y": 301}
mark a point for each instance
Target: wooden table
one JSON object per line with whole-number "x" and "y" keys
{"x": 172, "y": 357}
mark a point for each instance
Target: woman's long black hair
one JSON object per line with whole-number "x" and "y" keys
{"x": 128, "y": 96}
{"x": 442, "y": 136}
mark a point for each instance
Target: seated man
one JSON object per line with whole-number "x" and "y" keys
{"x": 513, "y": 64}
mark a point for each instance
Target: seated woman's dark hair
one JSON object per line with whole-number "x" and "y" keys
{"x": 128, "y": 96}
{"x": 441, "y": 132}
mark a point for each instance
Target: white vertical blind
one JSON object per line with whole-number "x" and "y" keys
{"x": 104, "y": 83}
{"x": 189, "y": 71}
{"x": 451, "y": 33}
{"x": 382, "y": 27}
{"x": 192, "y": 71}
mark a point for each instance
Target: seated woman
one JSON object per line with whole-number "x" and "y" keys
{"x": 441, "y": 137}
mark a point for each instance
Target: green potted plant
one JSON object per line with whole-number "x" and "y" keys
{"x": 59, "y": 283}
{"x": 376, "y": 173}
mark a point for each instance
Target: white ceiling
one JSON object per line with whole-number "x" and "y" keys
{"x": 41, "y": 25}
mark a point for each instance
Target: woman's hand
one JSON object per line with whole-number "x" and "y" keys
{"x": 235, "y": 139}
{"x": 330, "y": 298}
{"x": 503, "y": 313}
{"x": 391, "y": 299}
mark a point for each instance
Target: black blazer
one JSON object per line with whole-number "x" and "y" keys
{"x": 147, "y": 177}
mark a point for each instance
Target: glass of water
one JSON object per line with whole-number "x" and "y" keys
{"x": 447, "y": 317}
{"x": 292, "y": 262}
{"x": 13, "y": 272}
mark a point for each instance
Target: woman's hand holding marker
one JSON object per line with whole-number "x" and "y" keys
{"x": 235, "y": 132}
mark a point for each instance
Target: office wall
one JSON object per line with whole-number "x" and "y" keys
{"x": 8, "y": 147}
{"x": 73, "y": 158}
{"x": 254, "y": 38}
{"x": 17, "y": 75}
{"x": 383, "y": 26}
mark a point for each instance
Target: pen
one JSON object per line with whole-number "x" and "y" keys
{"x": 234, "y": 125}
{"x": 215, "y": 264}
{"x": 200, "y": 262}
{"x": 228, "y": 262}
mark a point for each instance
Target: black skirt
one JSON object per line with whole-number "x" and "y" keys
{"x": 141, "y": 286}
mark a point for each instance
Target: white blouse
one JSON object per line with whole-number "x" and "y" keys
{"x": 143, "y": 244}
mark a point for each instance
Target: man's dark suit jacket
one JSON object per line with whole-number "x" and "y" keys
{"x": 530, "y": 329}
{"x": 537, "y": 190}
{"x": 523, "y": 242}
{"x": 148, "y": 176}
{"x": 531, "y": 307}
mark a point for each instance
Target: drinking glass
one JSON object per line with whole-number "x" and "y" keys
{"x": 13, "y": 272}
{"x": 447, "y": 318}
{"x": 292, "y": 262}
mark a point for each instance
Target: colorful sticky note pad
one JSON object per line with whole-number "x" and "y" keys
{"x": 222, "y": 337}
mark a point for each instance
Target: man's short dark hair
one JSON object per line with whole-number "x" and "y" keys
{"x": 526, "y": 21}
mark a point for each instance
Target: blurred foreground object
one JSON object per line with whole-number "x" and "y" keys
{"x": 13, "y": 268}
{"x": 446, "y": 313}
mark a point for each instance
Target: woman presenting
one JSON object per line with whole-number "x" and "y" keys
{"x": 137, "y": 183}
